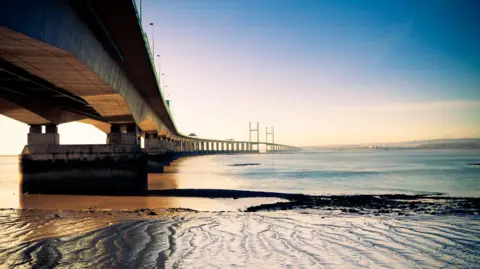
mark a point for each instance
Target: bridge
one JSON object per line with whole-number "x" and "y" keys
{"x": 90, "y": 61}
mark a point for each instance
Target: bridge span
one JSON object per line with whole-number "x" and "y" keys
{"x": 90, "y": 61}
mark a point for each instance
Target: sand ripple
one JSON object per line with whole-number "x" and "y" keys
{"x": 289, "y": 239}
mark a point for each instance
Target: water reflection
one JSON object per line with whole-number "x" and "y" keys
{"x": 80, "y": 202}
{"x": 200, "y": 172}
{"x": 193, "y": 172}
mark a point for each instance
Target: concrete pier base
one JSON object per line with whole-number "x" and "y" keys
{"x": 84, "y": 169}
{"x": 157, "y": 162}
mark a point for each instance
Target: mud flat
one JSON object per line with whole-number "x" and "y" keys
{"x": 179, "y": 238}
{"x": 433, "y": 203}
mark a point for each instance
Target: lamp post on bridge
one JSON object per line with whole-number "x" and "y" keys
{"x": 167, "y": 96}
{"x": 153, "y": 38}
{"x": 164, "y": 86}
{"x": 159, "y": 70}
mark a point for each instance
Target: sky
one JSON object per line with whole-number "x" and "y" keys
{"x": 321, "y": 72}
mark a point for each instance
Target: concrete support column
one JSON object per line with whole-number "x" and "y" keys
{"x": 168, "y": 144}
{"x": 175, "y": 145}
{"x": 128, "y": 136}
{"x": 178, "y": 146}
{"x": 152, "y": 143}
{"x": 36, "y": 137}
{"x": 162, "y": 143}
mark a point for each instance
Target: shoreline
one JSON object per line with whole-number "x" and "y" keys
{"x": 399, "y": 204}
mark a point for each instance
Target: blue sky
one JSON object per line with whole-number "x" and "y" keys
{"x": 290, "y": 62}
{"x": 321, "y": 72}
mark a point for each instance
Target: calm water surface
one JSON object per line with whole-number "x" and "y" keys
{"x": 310, "y": 172}
{"x": 337, "y": 172}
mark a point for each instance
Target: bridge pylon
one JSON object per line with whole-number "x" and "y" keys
{"x": 250, "y": 136}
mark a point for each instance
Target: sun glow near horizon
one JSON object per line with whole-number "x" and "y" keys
{"x": 328, "y": 125}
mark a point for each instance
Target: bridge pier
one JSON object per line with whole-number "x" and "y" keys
{"x": 117, "y": 168}
{"x": 156, "y": 152}
{"x": 36, "y": 137}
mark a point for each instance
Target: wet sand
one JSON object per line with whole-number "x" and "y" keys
{"x": 280, "y": 239}
{"x": 381, "y": 231}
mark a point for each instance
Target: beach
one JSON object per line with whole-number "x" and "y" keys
{"x": 280, "y": 239}
{"x": 204, "y": 212}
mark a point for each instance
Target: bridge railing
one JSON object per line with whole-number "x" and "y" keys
{"x": 152, "y": 60}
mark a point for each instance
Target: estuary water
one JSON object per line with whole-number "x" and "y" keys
{"x": 60, "y": 231}
{"x": 449, "y": 172}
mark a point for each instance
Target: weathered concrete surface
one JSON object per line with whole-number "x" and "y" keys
{"x": 84, "y": 169}
{"x": 56, "y": 45}
{"x": 20, "y": 113}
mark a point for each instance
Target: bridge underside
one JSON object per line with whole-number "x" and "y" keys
{"x": 63, "y": 61}
{"x": 53, "y": 83}
{"x": 76, "y": 49}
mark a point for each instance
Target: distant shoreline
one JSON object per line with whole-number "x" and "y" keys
{"x": 460, "y": 143}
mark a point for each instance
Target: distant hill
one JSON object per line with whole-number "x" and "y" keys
{"x": 465, "y": 145}
{"x": 417, "y": 143}
{"x": 461, "y": 143}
